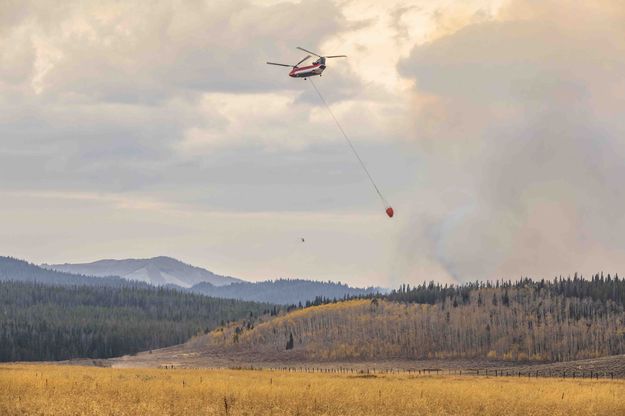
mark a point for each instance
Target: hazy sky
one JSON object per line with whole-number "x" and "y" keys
{"x": 144, "y": 128}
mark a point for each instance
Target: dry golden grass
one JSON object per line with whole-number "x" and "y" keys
{"x": 68, "y": 390}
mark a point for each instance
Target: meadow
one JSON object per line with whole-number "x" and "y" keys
{"x": 72, "y": 390}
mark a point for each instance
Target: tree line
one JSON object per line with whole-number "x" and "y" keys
{"x": 599, "y": 287}
{"x": 44, "y": 322}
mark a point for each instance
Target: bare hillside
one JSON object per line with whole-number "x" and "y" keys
{"x": 525, "y": 327}
{"x": 380, "y": 334}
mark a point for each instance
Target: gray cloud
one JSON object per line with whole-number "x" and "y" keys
{"x": 146, "y": 51}
{"x": 504, "y": 160}
{"x": 96, "y": 96}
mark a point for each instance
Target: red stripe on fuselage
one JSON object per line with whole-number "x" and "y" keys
{"x": 305, "y": 71}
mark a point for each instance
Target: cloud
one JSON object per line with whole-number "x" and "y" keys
{"x": 494, "y": 130}
{"x": 174, "y": 99}
{"x": 85, "y": 227}
{"x": 146, "y": 51}
{"x": 105, "y": 95}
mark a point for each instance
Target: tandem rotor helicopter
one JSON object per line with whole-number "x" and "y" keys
{"x": 311, "y": 70}
{"x": 317, "y": 68}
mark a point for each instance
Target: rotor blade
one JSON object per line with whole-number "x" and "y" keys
{"x": 307, "y": 51}
{"x": 297, "y": 64}
{"x": 337, "y": 56}
{"x": 273, "y": 63}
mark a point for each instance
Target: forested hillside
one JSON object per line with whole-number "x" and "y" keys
{"x": 14, "y": 270}
{"x": 283, "y": 291}
{"x": 539, "y": 321}
{"x": 42, "y": 322}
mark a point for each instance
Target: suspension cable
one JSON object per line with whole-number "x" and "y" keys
{"x": 349, "y": 142}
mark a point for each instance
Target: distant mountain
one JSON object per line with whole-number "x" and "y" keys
{"x": 173, "y": 274}
{"x": 282, "y": 291}
{"x": 158, "y": 271}
{"x": 15, "y": 270}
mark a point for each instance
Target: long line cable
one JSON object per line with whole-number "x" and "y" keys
{"x": 349, "y": 142}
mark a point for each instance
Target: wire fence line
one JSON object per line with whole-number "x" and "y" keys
{"x": 578, "y": 374}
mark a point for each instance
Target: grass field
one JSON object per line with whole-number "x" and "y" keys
{"x": 73, "y": 390}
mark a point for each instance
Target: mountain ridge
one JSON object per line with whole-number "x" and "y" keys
{"x": 159, "y": 271}
{"x": 16, "y": 270}
{"x": 284, "y": 291}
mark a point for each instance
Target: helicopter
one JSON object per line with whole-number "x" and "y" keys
{"x": 311, "y": 70}
{"x": 317, "y": 68}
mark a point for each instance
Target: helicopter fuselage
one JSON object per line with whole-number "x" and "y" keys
{"x": 307, "y": 71}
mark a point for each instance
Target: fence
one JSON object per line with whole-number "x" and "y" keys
{"x": 551, "y": 373}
